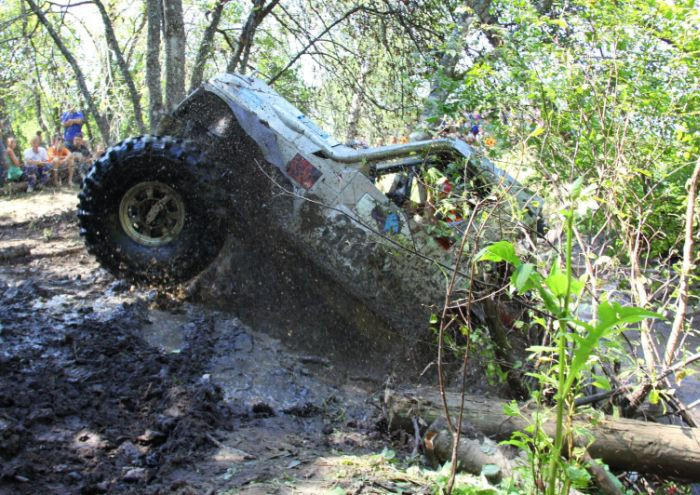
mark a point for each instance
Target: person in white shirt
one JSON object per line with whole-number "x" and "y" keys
{"x": 36, "y": 164}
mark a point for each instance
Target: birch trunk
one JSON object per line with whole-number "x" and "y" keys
{"x": 174, "y": 53}
{"x": 686, "y": 270}
{"x": 153, "y": 73}
{"x": 447, "y": 66}
{"x": 358, "y": 100}
{"x": 205, "y": 46}
{"x": 239, "y": 58}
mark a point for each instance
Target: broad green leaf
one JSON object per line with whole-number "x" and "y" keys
{"x": 612, "y": 314}
{"x": 555, "y": 268}
{"x": 499, "y": 251}
{"x": 511, "y": 409}
{"x": 521, "y": 277}
{"x": 557, "y": 283}
{"x": 578, "y": 475}
{"x": 583, "y": 351}
{"x": 541, "y": 348}
{"x": 683, "y": 374}
{"x": 601, "y": 382}
{"x": 642, "y": 171}
{"x": 538, "y": 320}
{"x": 576, "y": 188}
{"x": 543, "y": 378}
{"x": 580, "y": 324}
{"x": 522, "y": 445}
{"x": 577, "y": 285}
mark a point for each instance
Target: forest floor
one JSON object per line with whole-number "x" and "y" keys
{"x": 107, "y": 388}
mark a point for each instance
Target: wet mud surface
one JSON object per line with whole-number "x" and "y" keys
{"x": 105, "y": 388}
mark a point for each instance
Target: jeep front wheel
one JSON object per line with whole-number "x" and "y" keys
{"x": 147, "y": 211}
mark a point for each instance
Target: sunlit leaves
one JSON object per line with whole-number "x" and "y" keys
{"x": 498, "y": 252}
{"x": 522, "y": 277}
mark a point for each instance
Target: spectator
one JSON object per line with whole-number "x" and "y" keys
{"x": 81, "y": 154}
{"x": 60, "y": 157}
{"x": 72, "y": 121}
{"x": 36, "y": 164}
{"x": 79, "y": 147}
{"x": 11, "y": 164}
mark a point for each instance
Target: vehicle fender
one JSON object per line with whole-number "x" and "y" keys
{"x": 255, "y": 127}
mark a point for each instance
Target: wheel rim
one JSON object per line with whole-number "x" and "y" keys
{"x": 152, "y": 213}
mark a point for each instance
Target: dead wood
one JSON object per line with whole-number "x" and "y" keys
{"x": 623, "y": 444}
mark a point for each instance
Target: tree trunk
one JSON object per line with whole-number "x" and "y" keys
{"x": 246, "y": 37}
{"x": 502, "y": 348}
{"x": 40, "y": 115}
{"x": 38, "y": 91}
{"x": 445, "y": 69}
{"x": 174, "y": 53}
{"x": 5, "y": 123}
{"x": 239, "y": 59}
{"x": 623, "y": 444}
{"x": 102, "y": 123}
{"x": 641, "y": 299}
{"x": 113, "y": 45}
{"x": 153, "y": 75}
{"x": 205, "y": 46}
{"x": 480, "y": 12}
{"x": 358, "y": 99}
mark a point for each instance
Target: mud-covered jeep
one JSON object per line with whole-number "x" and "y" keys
{"x": 236, "y": 160}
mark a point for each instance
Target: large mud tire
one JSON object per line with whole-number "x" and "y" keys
{"x": 186, "y": 184}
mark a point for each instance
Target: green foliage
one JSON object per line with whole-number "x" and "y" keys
{"x": 501, "y": 251}
{"x": 595, "y": 90}
{"x": 442, "y": 481}
{"x": 572, "y": 356}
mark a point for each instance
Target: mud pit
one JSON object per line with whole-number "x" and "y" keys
{"x": 105, "y": 388}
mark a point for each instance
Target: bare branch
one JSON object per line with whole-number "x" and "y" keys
{"x": 312, "y": 42}
{"x": 683, "y": 285}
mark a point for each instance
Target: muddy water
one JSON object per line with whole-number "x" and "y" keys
{"x": 253, "y": 369}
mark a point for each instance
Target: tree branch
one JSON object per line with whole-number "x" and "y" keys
{"x": 312, "y": 42}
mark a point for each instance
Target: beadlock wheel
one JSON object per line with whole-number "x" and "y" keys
{"x": 152, "y": 213}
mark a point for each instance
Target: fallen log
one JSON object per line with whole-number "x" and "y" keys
{"x": 477, "y": 454}
{"x": 623, "y": 444}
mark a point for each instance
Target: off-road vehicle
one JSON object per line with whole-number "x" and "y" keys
{"x": 236, "y": 160}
